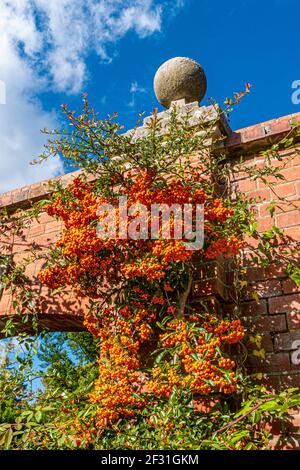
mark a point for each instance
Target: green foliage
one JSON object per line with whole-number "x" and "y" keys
{"x": 240, "y": 423}
{"x": 42, "y": 406}
{"x": 34, "y": 399}
{"x": 70, "y": 362}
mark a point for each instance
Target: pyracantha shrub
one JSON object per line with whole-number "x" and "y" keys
{"x": 162, "y": 356}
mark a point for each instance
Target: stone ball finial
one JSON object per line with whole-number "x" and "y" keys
{"x": 179, "y": 78}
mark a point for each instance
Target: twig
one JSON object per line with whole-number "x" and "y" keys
{"x": 233, "y": 423}
{"x": 184, "y": 297}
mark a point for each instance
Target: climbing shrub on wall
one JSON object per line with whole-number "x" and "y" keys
{"x": 171, "y": 372}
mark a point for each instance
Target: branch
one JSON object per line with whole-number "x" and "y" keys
{"x": 233, "y": 423}
{"x": 184, "y": 297}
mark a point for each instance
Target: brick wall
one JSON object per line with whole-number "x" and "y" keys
{"x": 276, "y": 315}
{"x": 62, "y": 312}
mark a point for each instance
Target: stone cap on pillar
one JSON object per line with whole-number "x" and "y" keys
{"x": 180, "y": 78}
{"x": 181, "y": 83}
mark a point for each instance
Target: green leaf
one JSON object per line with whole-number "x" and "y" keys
{"x": 295, "y": 276}
{"x": 8, "y": 438}
{"x": 38, "y": 416}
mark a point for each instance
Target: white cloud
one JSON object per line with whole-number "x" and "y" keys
{"x": 2, "y": 92}
{"x": 44, "y": 44}
{"x": 56, "y": 35}
{"x": 21, "y": 117}
{"x": 134, "y": 89}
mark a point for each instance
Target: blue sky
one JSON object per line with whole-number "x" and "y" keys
{"x": 52, "y": 51}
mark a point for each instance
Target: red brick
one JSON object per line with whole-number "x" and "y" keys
{"x": 38, "y": 265}
{"x": 251, "y": 242}
{"x": 268, "y": 181}
{"x": 273, "y": 362}
{"x": 207, "y": 270}
{"x": 63, "y": 309}
{"x": 5, "y": 199}
{"x": 290, "y": 381}
{"x": 228, "y": 309}
{"x": 284, "y": 190}
{"x": 53, "y": 226}
{"x": 247, "y": 185}
{"x": 291, "y": 174}
{"x": 280, "y": 125}
{"x": 21, "y": 246}
{"x": 264, "y": 211}
{"x": 291, "y": 203}
{"x": 286, "y": 341}
{"x": 281, "y": 208}
{"x": 30, "y": 270}
{"x": 275, "y": 426}
{"x": 292, "y": 154}
{"x": 275, "y": 270}
{"x": 44, "y": 218}
{"x": 46, "y": 239}
{"x": 288, "y": 219}
{"x": 267, "y": 343}
{"x": 263, "y": 194}
{"x": 253, "y": 133}
{"x": 264, "y": 289}
{"x": 5, "y": 302}
{"x": 267, "y": 323}
{"x": 36, "y": 230}
{"x": 265, "y": 224}
{"x": 210, "y": 287}
{"x": 203, "y": 288}
{"x": 39, "y": 189}
{"x": 254, "y": 308}
{"x": 293, "y": 320}
{"x": 271, "y": 382}
{"x": 21, "y": 236}
{"x": 238, "y": 175}
{"x": 293, "y": 233}
{"x": 285, "y": 303}
{"x": 263, "y": 131}
{"x": 289, "y": 286}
